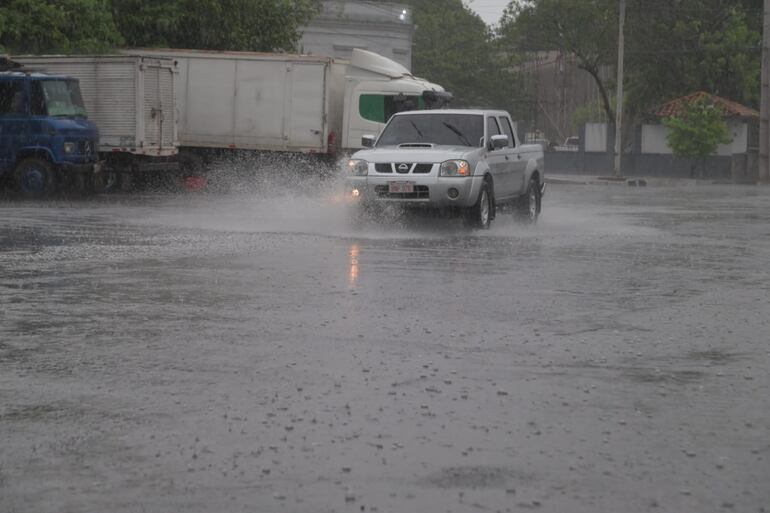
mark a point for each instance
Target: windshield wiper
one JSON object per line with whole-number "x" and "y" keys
{"x": 457, "y": 132}
{"x": 417, "y": 130}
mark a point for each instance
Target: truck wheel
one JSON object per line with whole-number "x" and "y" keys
{"x": 34, "y": 177}
{"x": 106, "y": 182}
{"x": 480, "y": 215}
{"x": 529, "y": 204}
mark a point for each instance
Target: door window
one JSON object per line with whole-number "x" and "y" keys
{"x": 11, "y": 97}
{"x": 508, "y": 131}
{"x": 492, "y": 129}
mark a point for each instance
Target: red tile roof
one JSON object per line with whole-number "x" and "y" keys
{"x": 730, "y": 108}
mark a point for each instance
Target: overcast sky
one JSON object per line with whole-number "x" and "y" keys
{"x": 489, "y": 10}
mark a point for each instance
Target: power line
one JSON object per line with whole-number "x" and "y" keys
{"x": 608, "y": 49}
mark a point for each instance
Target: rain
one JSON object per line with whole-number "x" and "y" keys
{"x": 337, "y": 256}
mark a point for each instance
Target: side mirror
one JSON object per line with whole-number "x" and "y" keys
{"x": 367, "y": 141}
{"x": 499, "y": 141}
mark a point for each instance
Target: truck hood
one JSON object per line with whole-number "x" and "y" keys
{"x": 74, "y": 127}
{"x": 424, "y": 155}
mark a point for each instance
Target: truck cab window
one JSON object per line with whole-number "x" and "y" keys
{"x": 380, "y": 107}
{"x": 62, "y": 98}
{"x": 11, "y": 97}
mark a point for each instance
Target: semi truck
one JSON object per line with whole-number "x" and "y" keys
{"x": 151, "y": 104}
{"x": 46, "y": 140}
{"x": 131, "y": 99}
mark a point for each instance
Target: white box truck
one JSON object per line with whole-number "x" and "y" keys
{"x": 288, "y": 103}
{"x": 131, "y": 100}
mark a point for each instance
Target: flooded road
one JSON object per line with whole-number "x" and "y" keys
{"x": 257, "y": 353}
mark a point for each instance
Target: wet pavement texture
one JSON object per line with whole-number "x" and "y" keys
{"x": 258, "y": 353}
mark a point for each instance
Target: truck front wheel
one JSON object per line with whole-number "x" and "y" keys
{"x": 529, "y": 204}
{"x": 480, "y": 215}
{"x": 34, "y": 177}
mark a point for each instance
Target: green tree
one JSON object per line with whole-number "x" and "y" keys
{"x": 697, "y": 130}
{"x": 675, "y": 48}
{"x": 247, "y": 25}
{"x": 57, "y": 26}
{"x": 672, "y": 48}
{"x": 455, "y": 48}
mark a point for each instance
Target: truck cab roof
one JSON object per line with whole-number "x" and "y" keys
{"x": 456, "y": 111}
{"x": 32, "y": 75}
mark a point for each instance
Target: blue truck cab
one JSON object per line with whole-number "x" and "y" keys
{"x": 46, "y": 140}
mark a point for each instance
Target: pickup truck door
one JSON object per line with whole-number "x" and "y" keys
{"x": 498, "y": 160}
{"x": 518, "y": 164}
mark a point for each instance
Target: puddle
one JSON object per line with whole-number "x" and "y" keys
{"x": 475, "y": 477}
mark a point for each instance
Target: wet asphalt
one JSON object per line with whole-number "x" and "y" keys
{"x": 257, "y": 352}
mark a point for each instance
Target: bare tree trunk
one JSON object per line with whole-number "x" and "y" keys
{"x": 594, "y": 72}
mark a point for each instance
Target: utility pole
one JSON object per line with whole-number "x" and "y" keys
{"x": 764, "y": 114}
{"x": 619, "y": 106}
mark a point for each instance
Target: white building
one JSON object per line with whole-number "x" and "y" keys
{"x": 383, "y": 28}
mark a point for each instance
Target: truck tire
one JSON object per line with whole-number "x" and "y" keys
{"x": 529, "y": 204}
{"x": 479, "y": 216}
{"x": 106, "y": 182}
{"x": 34, "y": 177}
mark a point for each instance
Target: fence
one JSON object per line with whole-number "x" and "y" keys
{"x": 648, "y": 155}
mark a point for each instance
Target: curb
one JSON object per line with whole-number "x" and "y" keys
{"x": 639, "y": 181}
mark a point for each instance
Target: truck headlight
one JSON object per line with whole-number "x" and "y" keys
{"x": 455, "y": 168}
{"x": 358, "y": 167}
{"x": 69, "y": 147}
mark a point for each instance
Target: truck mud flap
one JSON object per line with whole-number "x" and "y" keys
{"x": 542, "y": 189}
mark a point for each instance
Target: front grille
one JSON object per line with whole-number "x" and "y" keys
{"x": 420, "y": 192}
{"x": 403, "y": 168}
{"x": 86, "y": 147}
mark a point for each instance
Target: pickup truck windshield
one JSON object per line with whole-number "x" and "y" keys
{"x": 438, "y": 129}
{"x": 57, "y": 98}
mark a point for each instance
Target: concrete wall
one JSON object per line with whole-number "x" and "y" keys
{"x": 341, "y": 26}
{"x": 596, "y": 137}
{"x": 642, "y": 160}
{"x": 654, "y": 139}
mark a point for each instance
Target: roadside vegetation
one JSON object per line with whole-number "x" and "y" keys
{"x": 672, "y": 48}
{"x": 95, "y": 26}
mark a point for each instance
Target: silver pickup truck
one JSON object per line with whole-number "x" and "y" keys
{"x": 459, "y": 161}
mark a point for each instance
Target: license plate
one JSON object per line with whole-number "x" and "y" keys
{"x": 400, "y": 187}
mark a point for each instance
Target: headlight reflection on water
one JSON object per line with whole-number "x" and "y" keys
{"x": 353, "y": 277}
